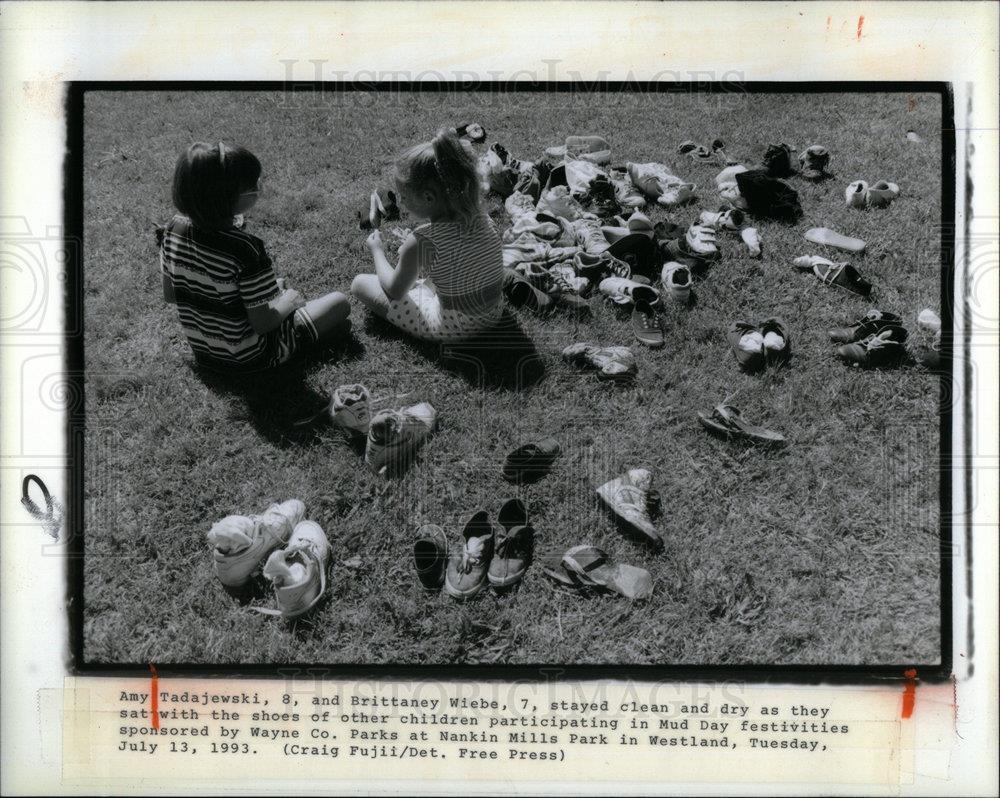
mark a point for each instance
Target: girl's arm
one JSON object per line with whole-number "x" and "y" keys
{"x": 396, "y": 281}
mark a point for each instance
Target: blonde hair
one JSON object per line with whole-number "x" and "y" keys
{"x": 446, "y": 167}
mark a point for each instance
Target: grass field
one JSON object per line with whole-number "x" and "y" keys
{"x": 825, "y": 552}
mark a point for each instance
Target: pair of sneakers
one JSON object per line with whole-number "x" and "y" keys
{"x": 495, "y": 553}
{"x": 874, "y": 340}
{"x": 392, "y": 436}
{"x": 860, "y": 195}
{"x": 297, "y": 553}
{"x": 757, "y": 346}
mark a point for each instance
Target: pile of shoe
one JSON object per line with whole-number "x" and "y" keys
{"x": 297, "y": 554}
{"x": 490, "y": 553}
{"x": 860, "y": 195}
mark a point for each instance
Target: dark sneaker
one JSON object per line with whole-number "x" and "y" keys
{"x": 777, "y": 342}
{"x": 430, "y": 556}
{"x": 878, "y": 350}
{"x": 778, "y": 160}
{"x": 870, "y": 323}
{"x": 748, "y": 346}
{"x": 639, "y": 251}
{"x": 602, "y": 198}
{"x": 514, "y": 544}
{"x": 726, "y": 422}
{"x": 647, "y": 325}
{"x": 522, "y": 294}
{"x": 467, "y": 569}
{"x": 531, "y": 462}
{"x": 813, "y": 162}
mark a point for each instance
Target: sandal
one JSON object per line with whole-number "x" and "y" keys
{"x": 727, "y": 422}
{"x": 529, "y": 463}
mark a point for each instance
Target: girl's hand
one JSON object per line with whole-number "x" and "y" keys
{"x": 374, "y": 241}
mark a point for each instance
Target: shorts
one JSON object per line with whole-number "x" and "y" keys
{"x": 295, "y": 334}
{"x": 420, "y": 314}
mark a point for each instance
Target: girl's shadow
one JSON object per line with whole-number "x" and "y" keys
{"x": 503, "y": 358}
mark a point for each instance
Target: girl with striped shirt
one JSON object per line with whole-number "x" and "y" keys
{"x": 235, "y": 314}
{"x": 458, "y": 250}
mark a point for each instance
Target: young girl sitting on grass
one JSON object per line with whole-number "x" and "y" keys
{"x": 235, "y": 313}
{"x": 458, "y": 250}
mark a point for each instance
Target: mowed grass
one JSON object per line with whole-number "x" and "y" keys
{"x": 826, "y": 552}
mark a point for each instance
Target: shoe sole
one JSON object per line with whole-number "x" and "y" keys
{"x": 454, "y": 592}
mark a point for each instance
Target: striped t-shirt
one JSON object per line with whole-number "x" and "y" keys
{"x": 216, "y": 275}
{"x": 467, "y": 270}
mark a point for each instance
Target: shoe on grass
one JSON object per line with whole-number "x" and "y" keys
{"x": 466, "y": 575}
{"x": 596, "y": 267}
{"x": 638, "y": 250}
{"x": 884, "y": 348}
{"x": 350, "y": 408}
{"x": 514, "y": 544}
{"x": 726, "y": 422}
{"x": 623, "y": 291}
{"x": 520, "y": 293}
{"x": 870, "y": 322}
{"x": 777, "y": 342}
{"x": 530, "y": 462}
{"x": 843, "y": 274}
{"x": 700, "y": 239}
{"x": 394, "y": 435}
{"x": 856, "y": 195}
{"x": 813, "y": 162}
{"x": 729, "y": 219}
{"x": 628, "y": 195}
{"x": 430, "y": 556}
{"x": 382, "y": 207}
{"x": 241, "y": 543}
{"x": 627, "y": 497}
{"x": 298, "y": 571}
{"x": 590, "y": 236}
{"x": 881, "y": 194}
{"x": 593, "y": 568}
{"x": 831, "y": 238}
{"x": 751, "y": 238}
{"x": 647, "y": 325}
{"x": 928, "y": 320}
{"x": 612, "y": 362}
{"x": 778, "y": 160}
{"x": 676, "y": 280}
{"x": 747, "y": 344}
{"x": 472, "y": 131}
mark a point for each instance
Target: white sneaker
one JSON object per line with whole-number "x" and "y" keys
{"x": 395, "y": 434}
{"x": 627, "y": 498}
{"x": 928, "y": 320}
{"x": 622, "y": 291}
{"x": 752, "y": 239}
{"x": 240, "y": 543}
{"x": 557, "y": 201}
{"x": 676, "y": 279}
{"x": 349, "y": 408}
{"x": 881, "y": 194}
{"x": 722, "y": 220}
{"x": 856, "y": 194}
{"x": 701, "y": 240}
{"x": 298, "y": 571}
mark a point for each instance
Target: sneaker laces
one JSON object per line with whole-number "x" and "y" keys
{"x": 473, "y": 554}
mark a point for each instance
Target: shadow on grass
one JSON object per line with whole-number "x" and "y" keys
{"x": 277, "y": 400}
{"x": 504, "y": 358}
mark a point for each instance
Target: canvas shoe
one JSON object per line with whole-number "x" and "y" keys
{"x": 589, "y": 235}
{"x": 881, "y": 194}
{"x": 813, "y": 162}
{"x": 612, "y": 362}
{"x": 566, "y": 281}
{"x": 751, "y": 238}
{"x": 647, "y": 325}
{"x": 867, "y": 324}
{"x": 298, "y": 571}
{"x": 531, "y": 462}
{"x": 697, "y": 152}
{"x": 831, "y": 238}
{"x": 600, "y": 195}
{"x": 701, "y": 240}
{"x": 656, "y": 182}
{"x": 884, "y": 348}
{"x": 623, "y": 291}
{"x": 777, "y": 342}
{"x": 240, "y": 543}
{"x": 627, "y": 194}
{"x": 519, "y": 206}
{"x": 594, "y": 149}
{"x": 466, "y": 574}
{"x": 394, "y": 435}
{"x": 557, "y": 201}
{"x": 856, "y": 195}
{"x": 514, "y": 544}
{"x": 778, "y": 160}
{"x": 843, "y": 275}
{"x": 638, "y": 250}
{"x": 520, "y": 293}
{"x": 729, "y": 219}
{"x": 595, "y": 267}
{"x": 676, "y": 279}
{"x": 627, "y": 497}
{"x": 726, "y": 422}
{"x": 350, "y": 408}
{"x": 430, "y": 556}
{"x": 747, "y": 343}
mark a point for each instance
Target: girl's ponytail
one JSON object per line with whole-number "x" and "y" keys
{"x": 456, "y": 172}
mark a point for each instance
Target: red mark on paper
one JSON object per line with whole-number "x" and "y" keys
{"x": 909, "y": 692}
{"x": 154, "y": 697}
{"x": 861, "y": 22}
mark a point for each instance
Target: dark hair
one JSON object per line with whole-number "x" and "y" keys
{"x": 445, "y": 166}
{"x": 208, "y": 180}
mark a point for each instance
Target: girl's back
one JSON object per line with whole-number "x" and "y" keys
{"x": 467, "y": 268}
